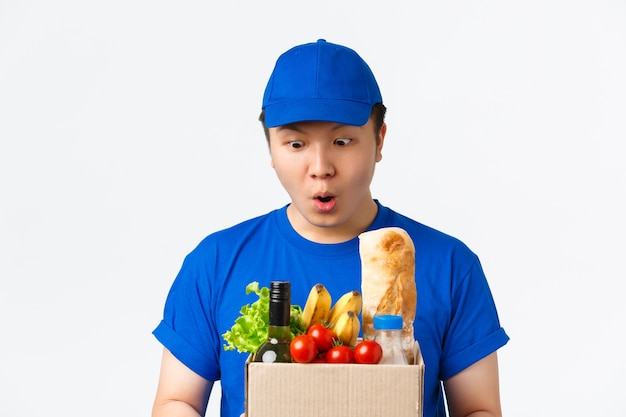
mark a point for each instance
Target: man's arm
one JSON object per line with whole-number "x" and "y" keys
{"x": 475, "y": 391}
{"x": 181, "y": 392}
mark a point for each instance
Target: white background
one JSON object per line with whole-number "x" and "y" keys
{"x": 128, "y": 131}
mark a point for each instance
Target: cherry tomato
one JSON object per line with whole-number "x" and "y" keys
{"x": 340, "y": 354}
{"x": 303, "y": 348}
{"x": 368, "y": 351}
{"x": 323, "y": 336}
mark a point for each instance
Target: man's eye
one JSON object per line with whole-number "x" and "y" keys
{"x": 342, "y": 141}
{"x": 295, "y": 144}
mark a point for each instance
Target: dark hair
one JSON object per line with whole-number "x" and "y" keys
{"x": 377, "y": 115}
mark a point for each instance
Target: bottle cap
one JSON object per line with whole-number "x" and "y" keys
{"x": 280, "y": 303}
{"x": 280, "y": 290}
{"x": 388, "y": 322}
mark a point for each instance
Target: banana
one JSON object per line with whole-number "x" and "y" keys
{"x": 350, "y": 301}
{"x": 347, "y": 328}
{"x": 317, "y": 307}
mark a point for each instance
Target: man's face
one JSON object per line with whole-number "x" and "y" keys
{"x": 327, "y": 168}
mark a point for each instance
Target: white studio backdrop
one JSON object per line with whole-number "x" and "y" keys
{"x": 128, "y": 132}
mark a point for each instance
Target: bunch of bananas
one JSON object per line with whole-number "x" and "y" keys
{"x": 342, "y": 318}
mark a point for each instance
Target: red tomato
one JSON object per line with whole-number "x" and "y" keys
{"x": 303, "y": 348}
{"x": 340, "y": 354}
{"x": 323, "y": 336}
{"x": 368, "y": 351}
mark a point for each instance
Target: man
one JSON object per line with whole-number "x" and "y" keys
{"x": 324, "y": 122}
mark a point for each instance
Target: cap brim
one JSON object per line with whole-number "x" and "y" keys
{"x": 321, "y": 109}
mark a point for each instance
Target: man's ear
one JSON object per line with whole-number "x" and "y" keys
{"x": 380, "y": 142}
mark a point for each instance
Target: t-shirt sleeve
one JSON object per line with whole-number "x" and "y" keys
{"x": 187, "y": 329}
{"x": 474, "y": 330}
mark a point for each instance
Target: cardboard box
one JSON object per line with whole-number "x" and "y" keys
{"x": 322, "y": 390}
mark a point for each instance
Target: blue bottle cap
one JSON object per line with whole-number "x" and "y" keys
{"x": 388, "y": 322}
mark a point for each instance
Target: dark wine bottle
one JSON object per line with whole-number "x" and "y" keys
{"x": 276, "y": 348}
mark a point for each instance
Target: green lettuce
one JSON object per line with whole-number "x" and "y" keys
{"x": 250, "y": 329}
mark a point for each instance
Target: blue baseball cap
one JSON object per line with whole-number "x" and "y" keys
{"x": 320, "y": 81}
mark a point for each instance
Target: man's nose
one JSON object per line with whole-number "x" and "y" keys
{"x": 321, "y": 165}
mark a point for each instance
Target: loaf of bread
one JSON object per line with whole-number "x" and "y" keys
{"x": 388, "y": 281}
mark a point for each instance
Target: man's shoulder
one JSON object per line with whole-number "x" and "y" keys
{"x": 242, "y": 230}
{"x": 424, "y": 236}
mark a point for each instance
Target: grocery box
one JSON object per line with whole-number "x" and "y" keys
{"x": 322, "y": 390}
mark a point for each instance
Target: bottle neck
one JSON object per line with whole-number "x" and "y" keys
{"x": 390, "y": 333}
{"x": 279, "y": 332}
{"x": 279, "y": 320}
{"x": 279, "y": 313}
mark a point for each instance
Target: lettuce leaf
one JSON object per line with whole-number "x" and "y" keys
{"x": 250, "y": 329}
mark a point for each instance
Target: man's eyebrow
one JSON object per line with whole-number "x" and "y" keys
{"x": 289, "y": 126}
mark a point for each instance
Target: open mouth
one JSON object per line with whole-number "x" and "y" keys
{"x": 325, "y": 203}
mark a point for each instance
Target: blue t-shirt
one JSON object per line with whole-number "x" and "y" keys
{"x": 456, "y": 321}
